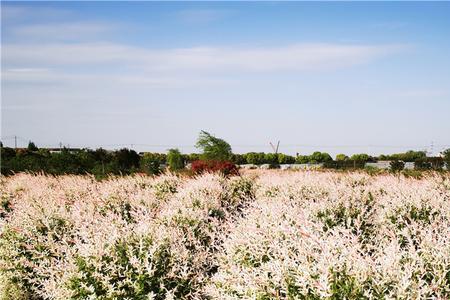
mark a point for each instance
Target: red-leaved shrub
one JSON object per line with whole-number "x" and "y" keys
{"x": 224, "y": 167}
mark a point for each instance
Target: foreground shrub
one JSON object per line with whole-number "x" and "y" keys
{"x": 132, "y": 268}
{"x": 262, "y": 235}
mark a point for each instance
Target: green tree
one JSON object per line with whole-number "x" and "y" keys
{"x": 341, "y": 157}
{"x": 408, "y": 156}
{"x": 271, "y": 158}
{"x": 124, "y": 161}
{"x": 319, "y": 157}
{"x": 213, "y": 148}
{"x": 150, "y": 163}
{"x": 193, "y": 157}
{"x": 161, "y": 158}
{"x": 302, "y": 159}
{"x": 285, "y": 159}
{"x": 238, "y": 159}
{"x": 32, "y": 146}
{"x": 255, "y": 158}
{"x": 175, "y": 160}
{"x": 360, "y": 157}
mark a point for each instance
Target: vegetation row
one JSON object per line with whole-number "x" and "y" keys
{"x": 214, "y": 152}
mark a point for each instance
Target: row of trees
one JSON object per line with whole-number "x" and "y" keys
{"x": 409, "y": 156}
{"x": 125, "y": 161}
{"x": 102, "y": 162}
{"x": 95, "y": 162}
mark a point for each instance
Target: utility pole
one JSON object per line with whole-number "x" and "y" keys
{"x": 15, "y": 142}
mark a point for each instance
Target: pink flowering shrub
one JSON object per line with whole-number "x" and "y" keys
{"x": 263, "y": 235}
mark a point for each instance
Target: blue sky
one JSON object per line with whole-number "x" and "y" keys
{"x": 331, "y": 76}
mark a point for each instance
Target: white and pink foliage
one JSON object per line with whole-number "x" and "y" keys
{"x": 265, "y": 235}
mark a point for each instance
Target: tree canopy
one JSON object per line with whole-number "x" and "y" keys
{"x": 175, "y": 160}
{"x": 213, "y": 148}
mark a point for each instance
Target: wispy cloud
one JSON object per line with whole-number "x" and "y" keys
{"x": 71, "y": 31}
{"x": 104, "y": 80}
{"x": 16, "y": 13}
{"x": 298, "y": 57}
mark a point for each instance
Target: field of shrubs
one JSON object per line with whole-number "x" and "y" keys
{"x": 262, "y": 235}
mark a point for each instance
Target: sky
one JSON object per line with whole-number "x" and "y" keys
{"x": 340, "y": 77}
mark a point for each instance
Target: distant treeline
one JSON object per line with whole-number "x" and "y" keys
{"x": 125, "y": 161}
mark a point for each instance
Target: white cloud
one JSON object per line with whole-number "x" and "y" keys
{"x": 71, "y": 31}
{"x": 67, "y": 80}
{"x": 298, "y": 57}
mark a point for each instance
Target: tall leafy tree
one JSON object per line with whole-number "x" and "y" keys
{"x": 175, "y": 160}
{"x": 213, "y": 148}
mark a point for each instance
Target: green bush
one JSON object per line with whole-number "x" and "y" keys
{"x": 285, "y": 159}
{"x": 302, "y": 159}
{"x": 341, "y": 157}
{"x": 150, "y": 164}
{"x": 134, "y": 268}
{"x": 175, "y": 160}
{"x": 372, "y": 170}
{"x": 238, "y": 159}
{"x": 396, "y": 165}
{"x": 255, "y": 158}
{"x": 360, "y": 157}
{"x": 165, "y": 187}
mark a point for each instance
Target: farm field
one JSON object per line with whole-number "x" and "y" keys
{"x": 267, "y": 234}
